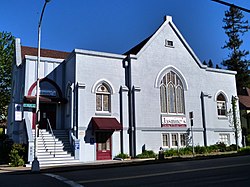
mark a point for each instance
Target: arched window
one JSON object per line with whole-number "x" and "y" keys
{"x": 221, "y": 105}
{"x": 172, "y": 94}
{"x": 103, "y": 103}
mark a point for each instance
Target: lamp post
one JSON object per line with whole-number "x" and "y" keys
{"x": 35, "y": 164}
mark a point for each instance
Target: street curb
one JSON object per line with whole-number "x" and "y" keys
{"x": 112, "y": 164}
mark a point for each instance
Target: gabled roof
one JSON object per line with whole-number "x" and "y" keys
{"x": 138, "y": 47}
{"x": 168, "y": 20}
{"x": 245, "y": 99}
{"x": 44, "y": 53}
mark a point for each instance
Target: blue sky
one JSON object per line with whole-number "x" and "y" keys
{"x": 117, "y": 25}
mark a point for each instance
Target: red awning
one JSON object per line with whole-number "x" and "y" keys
{"x": 32, "y": 99}
{"x": 107, "y": 124}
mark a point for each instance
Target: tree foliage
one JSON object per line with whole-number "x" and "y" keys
{"x": 210, "y": 63}
{"x": 234, "y": 28}
{"x": 6, "y": 59}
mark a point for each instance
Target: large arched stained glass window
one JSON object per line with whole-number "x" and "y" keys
{"x": 172, "y": 94}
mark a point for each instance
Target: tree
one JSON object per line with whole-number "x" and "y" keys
{"x": 204, "y": 62}
{"x": 235, "y": 27}
{"x": 6, "y": 59}
{"x": 210, "y": 63}
{"x": 217, "y": 66}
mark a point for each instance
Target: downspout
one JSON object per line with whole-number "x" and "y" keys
{"x": 79, "y": 86}
{"x": 128, "y": 83}
{"x": 234, "y": 100}
{"x": 203, "y": 113}
{"x": 121, "y": 119}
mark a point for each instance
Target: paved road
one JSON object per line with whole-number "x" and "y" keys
{"x": 233, "y": 171}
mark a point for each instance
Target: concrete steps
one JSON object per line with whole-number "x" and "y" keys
{"x": 54, "y": 151}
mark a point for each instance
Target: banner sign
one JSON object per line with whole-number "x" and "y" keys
{"x": 170, "y": 121}
{"x": 48, "y": 93}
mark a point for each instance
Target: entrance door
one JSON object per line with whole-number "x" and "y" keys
{"x": 103, "y": 145}
{"x": 47, "y": 111}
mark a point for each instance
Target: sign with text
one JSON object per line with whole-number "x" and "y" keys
{"x": 173, "y": 121}
{"x": 29, "y": 105}
{"x": 48, "y": 93}
{"x": 18, "y": 112}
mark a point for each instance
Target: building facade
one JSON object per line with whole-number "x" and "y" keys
{"x": 155, "y": 95}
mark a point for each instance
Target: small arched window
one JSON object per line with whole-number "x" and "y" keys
{"x": 103, "y": 103}
{"x": 172, "y": 94}
{"x": 221, "y": 105}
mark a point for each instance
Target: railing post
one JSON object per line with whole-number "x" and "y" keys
{"x": 53, "y": 137}
{"x": 77, "y": 148}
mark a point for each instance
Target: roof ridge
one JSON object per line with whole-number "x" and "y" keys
{"x": 27, "y": 50}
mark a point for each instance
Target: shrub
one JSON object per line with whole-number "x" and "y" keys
{"x": 244, "y": 150}
{"x": 186, "y": 151}
{"x": 122, "y": 155}
{"x": 221, "y": 146}
{"x": 232, "y": 147}
{"x": 16, "y": 155}
{"x": 200, "y": 150}
{"x": 170, "y": 152}
{"x": 5, "y": 146}
{"x": 212, "y": 148}
{"x": 147, "y": 154}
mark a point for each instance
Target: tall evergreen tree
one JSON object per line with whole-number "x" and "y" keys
{"x": 6, "y": 59}
{"x": 204, "y": 62}
{"x": 210, "y": 63}
{"x": 234, "y": 28}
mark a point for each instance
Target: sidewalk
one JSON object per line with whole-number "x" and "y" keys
{"x": 84, "y": 165}
{"x": 110, "y": 163}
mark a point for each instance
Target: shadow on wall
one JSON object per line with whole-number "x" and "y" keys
{"x": 89, "y": 134}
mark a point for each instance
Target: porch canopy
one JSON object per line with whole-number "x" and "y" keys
{"x": 44, "y": 99}
{"x": 105, "y": 124}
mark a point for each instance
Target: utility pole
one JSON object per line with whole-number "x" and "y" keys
{"x": 231, "y": 5}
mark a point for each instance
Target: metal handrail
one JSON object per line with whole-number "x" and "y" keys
{"x": 52, "y": 136}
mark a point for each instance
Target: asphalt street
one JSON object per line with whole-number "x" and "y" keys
{"x": 233, "y": 171}
{"x": 228, "y": 171}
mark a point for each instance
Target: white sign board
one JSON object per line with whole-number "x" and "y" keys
{"x": 18, "y": 112}
{"x": 176, "y": 121}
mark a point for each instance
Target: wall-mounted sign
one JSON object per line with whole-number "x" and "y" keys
{"x": 176, "y": 121}
{"x": 18, "y": 112}
{"x": 48, "y": 92}
{"x": 29, "y": 105}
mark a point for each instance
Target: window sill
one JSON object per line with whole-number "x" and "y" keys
{"x": 102, "y": 113}
{"x": 173, "y": 114}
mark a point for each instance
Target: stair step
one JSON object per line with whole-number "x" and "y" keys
{"x": 48, "y": 145}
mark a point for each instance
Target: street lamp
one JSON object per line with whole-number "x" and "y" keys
{"x": 35, "y": 164}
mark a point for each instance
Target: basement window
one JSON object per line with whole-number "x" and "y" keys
{"x": 169, "y": 43}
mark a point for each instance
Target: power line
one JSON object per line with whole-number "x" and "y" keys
{"x": 231, "y": 5}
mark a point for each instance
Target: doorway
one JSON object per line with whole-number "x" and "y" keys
{"x": 47, "y": 111}
{"x": 103, "y": 145}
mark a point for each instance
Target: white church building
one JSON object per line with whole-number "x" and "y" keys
{"x": 124, "y": 103}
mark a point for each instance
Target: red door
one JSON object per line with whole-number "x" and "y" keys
{"x": 103, "y": 145}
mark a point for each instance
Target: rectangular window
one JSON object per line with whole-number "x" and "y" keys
{"x": 224, "y": 138}
{"x": 221, "y": 107}
{"x": 174, "y": 139}
{"x": 165, "y": 138}
{"x": 169, "y": 43}
{"x": 105, "y": 102}
{"x": 98, "y": 102}
{"x": 183, "y": 138}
